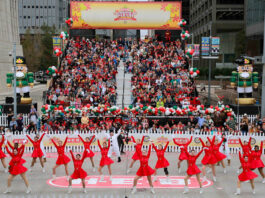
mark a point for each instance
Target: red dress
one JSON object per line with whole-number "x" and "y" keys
{"x": 87, "y": 146}
{"x": 16, "y": 164}
{"x": 18, "y": 149}
{"x": 2, "y": 154}
{"x": 255, "y": 161}
{"x": 79, "y": 172}
{"x": 246, "y": 148}
{"x": 137, "y": 146}
{"x": 105, "y": 160}
{"x": 192, "y": 167}
{"x": 216, "y": 151}
{"x": 161, "y": 160}
{"x": 208, "y": 157}
{"x": 247, "y": 174}
{"x": 62, "y": 158}
{"x": 145, "y": 169}
{"x": 37, "y": 152}
{"x": 183, "y": 149}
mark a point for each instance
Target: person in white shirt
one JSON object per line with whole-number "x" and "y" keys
{"x": 224, "y": 148}
{"x": 114, "y": 146}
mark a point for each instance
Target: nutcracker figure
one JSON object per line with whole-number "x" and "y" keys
{"x": 245, "y": 80}
{"x": 24, "y": 80}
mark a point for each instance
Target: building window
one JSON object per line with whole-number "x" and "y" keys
{"x": 28, "y": 6}
{"x": 32, "y": 6}
{"x": 40, "y": 6}
{"x": 53, "y": 6}
{"x": 37, "y": 17}
{"x": 45, "y": 6}
{"x": 24, "y": 6}
{"x": 25, "y": 27}
{"x": 28, "y": 17}
{"x": 25, "y": 17}
{"x": 50, "y": 7}
{"x": 41, "y": 17}
{"x": 37, "y": 6}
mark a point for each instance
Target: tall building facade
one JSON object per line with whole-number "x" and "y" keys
{"x": 222, "y": 18}
{"x": 35, "y": 13}
{"x": 8, "y": 36}
{"x": 255, "y": 13}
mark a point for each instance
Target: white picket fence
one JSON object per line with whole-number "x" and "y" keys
{"x": 4, "y": 122}
{"x": 137, "y": 134}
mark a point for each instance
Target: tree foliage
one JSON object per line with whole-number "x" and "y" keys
{"x": 38, "y": 49}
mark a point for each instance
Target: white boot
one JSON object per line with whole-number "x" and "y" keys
{"x": 201, "y": 190}
{"x": 237, "y": 191}
{"x": 43, "y": 170}
{"x": 238, "y": 171}
{"x": 179, "y": 170}
{"x": 263, "y": 181}
{"x": 101, "y": 178}
{"x": 53, "y": 177}
{"x": 94, "y": 169}
{"x": 253, "y": 192}
{"x": 152, "y": 190}
{"x": 129, "y": 170}
{"x": 28, "y": 190}
{"x": 214, "y": 178}
{"x": 110, "y": 178}
{"x": 69, "y": 191}
{"x": 224, "y": 170}
{"x": 84, "y": 190}
{"x": 134, "y": 190}
{"x": 186, "y": 190}
{"x": 8, "y": 190}
{"x": 155, "y": 178}
{"x": 6, "y": 170}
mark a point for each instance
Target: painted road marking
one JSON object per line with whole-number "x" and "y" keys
{"x": 126, "y": 181}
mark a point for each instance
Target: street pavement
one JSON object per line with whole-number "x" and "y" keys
{"x": 225, "y": 186}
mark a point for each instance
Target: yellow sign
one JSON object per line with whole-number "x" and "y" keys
{"x": 125, "y": 15}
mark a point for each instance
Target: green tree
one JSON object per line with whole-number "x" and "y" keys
{"x": 240, "y": 47}
{"x": 47, "y": 59}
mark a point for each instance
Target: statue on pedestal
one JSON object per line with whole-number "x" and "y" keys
{"x": 24, "y": 80}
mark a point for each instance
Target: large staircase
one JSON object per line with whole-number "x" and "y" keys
{"x": 123, "y": 86}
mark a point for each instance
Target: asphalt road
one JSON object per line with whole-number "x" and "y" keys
{"x": 225, "y": 186}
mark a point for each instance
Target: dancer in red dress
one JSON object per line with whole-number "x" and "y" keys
{"x": 144, "y": 170}
{"x": 255, "y": 161}
{"x": 246, "y": 147}
{"x": 216, "y": 151}
{"x": 16, "y": 168}
{"x": 192, "y": 170}
{"x": 183, "y": 150}
{"x": 161, "y": 160}
{"x": 2, "y": 154}
{"x": 37, "y": 152}
{"x": 62, "y": 158}
{"x": 138, "y": 145}
{"x": 89, "y": 154}
{"x": 105, "y": 160}
{"x": 246, "y": 175}
{"x": 208, "y": 160}
{"x": 79, "y": 173}
{"x": 16, "y": 146}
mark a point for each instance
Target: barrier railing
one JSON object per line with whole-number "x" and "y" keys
{"x": 4, "y": 121}
{"x": 76, "y": 145}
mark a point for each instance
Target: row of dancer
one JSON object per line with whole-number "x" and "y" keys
{"x": 211, "y": 148}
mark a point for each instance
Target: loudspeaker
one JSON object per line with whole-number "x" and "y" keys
{"x": 9, "y": 100}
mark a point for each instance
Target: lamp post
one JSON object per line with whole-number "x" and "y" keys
{"x": 15, "y": 79}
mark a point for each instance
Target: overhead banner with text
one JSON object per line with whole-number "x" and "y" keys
{"x": 126, "y": 15}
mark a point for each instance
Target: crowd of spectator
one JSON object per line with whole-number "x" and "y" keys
{"x": 161, "y": 75}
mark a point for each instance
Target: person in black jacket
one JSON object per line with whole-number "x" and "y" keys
{"x": 121, "y": 138}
